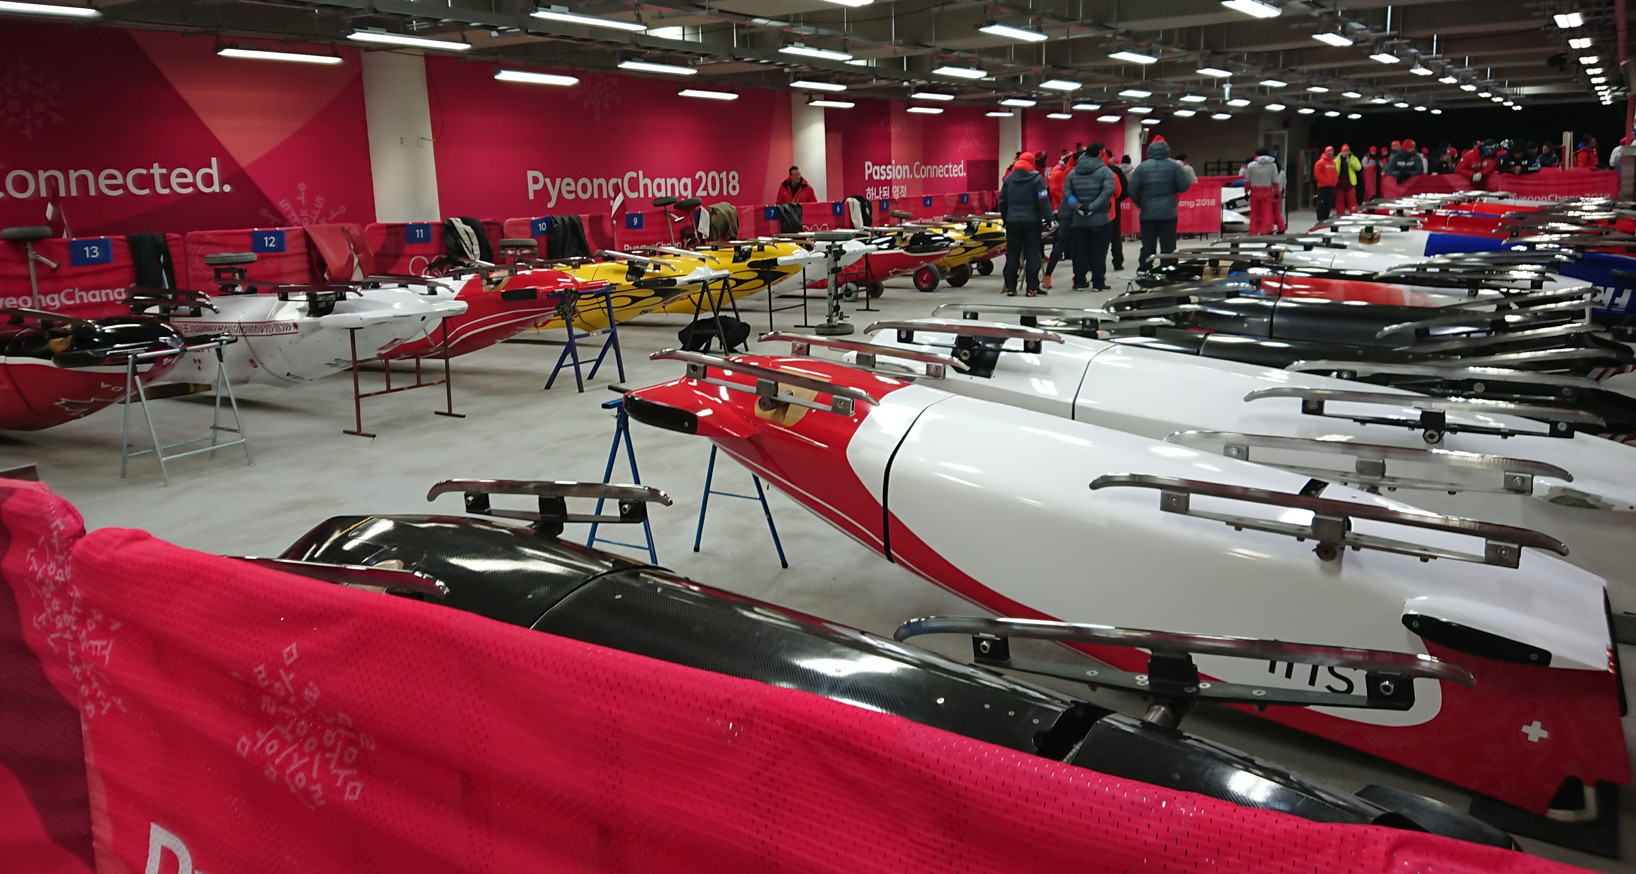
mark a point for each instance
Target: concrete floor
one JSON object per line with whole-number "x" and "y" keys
{"x": 307, "y": 469}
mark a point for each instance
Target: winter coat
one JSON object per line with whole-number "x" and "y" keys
{"x": 1123, "y": 191}
{"x": 1324, "y": 172}
{"x": 1473, "y": 162}
{"x": 1155, "y": 183}
{"x": 801, "y": 193}
{"x": 1348, "y": 170}
{"x": 1263, "y": 172}
{"x": 1087, "y": 195}
{"x": 1059, "y": 174}
{"x": 1405, "y": 164}
{"x": 1023, "y": 197}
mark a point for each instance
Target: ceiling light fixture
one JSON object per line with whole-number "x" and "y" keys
{"x": 1385, "y": 57}
{"x": 1150, "y": 121}
{"x": 853, "y": 3}
{"x": 1254, "y": 8}
{"x": 926, "y": 110}
{"x": 1354, "y": 115}
{"x": 1017, "y": 101}
{"x": 662, "y": 69}
{"x": 559, "y": 14}
{"x": 1107, "y": 119}
{"x": 1010, "y": 32}
{"x": 1140, "y": 110}
{"x": 1485, "y": 94}
{"x": 1332, "y": 114}
{"x": 1135, "y": 92}
{"x": 1402, "y": 104}
{"x": 1215, "y": 72}
{"x": 1061, "y": 85}
{"x": 1221, "y": 116}
{"x": 1468, "y": 87}
{"x": 45, "y": 9}
{"x": 1133, "y": 57}
{"x": 1273, "y": 83}
{"x": 1449, "y": 80}
{"x": 1597, "y": 80}
{"x": 1593, "y": 71}
{"x": 534, "y": 78}
{"x": 1275, "y": 107}
{"x": 1306, "y": 110}
{"x": 817, "y": 86}
{"x": 1579, "y": 42}
{"x": 420, "y": 42}
{"x": 1420, "y": 109}
{"x": 1334, "y": 39}
{"x": 707, "y": 95}
{"x": 1351, "y": 95}
{"x": 1378, "y": 100}
{"x": 1086, "y": 107}
{"x": 1318, "y": 89}
{"x": 960, "y": 72}
{"x": 1590, "y": 60}
{"x": 1238, "y": 101}
{"x": 1060, "y": 116}
{"x": 930, "y": 95}
{"x": 265, "y": 55}
{"x": 1436, "y": 111}
{"x": 1567, "y": 20}
{"x": 832, "y": 104}
{"x": 1421, "y": 70}
{"x": 1184, "y": 113}
{"x": 807, "y": 51}
{"x": 1193, "y": 98}
{"x": 999, "y": 113}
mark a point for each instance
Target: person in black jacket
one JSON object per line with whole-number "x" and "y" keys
{"x": 1025, "y": 207}
{"x": 1087, "y": 200}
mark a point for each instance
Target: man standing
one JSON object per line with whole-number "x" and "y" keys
{"x": 795, "y": 189}
{"x": 1154, "y": 185}
{"x": 1325, "y": 175}
{"x": 1264, "y": 184}
{"x": 1348, "y": 173}
{"x": 1025, "y": 207}
{"x": 1405, "y": 163}
{"x": 1087, "y": 199}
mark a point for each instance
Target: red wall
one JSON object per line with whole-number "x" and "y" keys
{"x": 879, "y": 150}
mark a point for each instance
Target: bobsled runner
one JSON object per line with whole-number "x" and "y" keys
{"x": 1479, "y": 463}
{"x": 56, "y": 368}
{"x": 1034, "y": 516}
{"x": 562, "y": 588}
{"x": 290, "y": 334}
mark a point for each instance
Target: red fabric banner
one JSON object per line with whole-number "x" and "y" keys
{"x": 282, "y": 255}
{"x": 1425, "y": 183}
{"x": 886, "y": 152}
{"x": 1559, "y": 184}
{"x": 1198, "y": 211}
{"x": 89, "y": 280}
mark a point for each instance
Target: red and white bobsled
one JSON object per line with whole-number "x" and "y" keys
{"x": 54, "y": 368}
{"x": 500, "y": 304}
{"x": 1031, "y": 515}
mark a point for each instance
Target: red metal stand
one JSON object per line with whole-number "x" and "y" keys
{"x": 358, "y": 394}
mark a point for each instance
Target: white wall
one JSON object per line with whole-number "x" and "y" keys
{"x": 810, "y": 146}
{"x": 400, "y": 137}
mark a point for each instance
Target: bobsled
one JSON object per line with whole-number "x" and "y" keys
{"x": 529, "y": 577}
{"x": 1034, "y": 516}
{"x": 978, "y": 241}
{"x": 895, "y": 251}
{"x": 1481, "y": 462}
{"x": 637, "y": 284}
{"x": 56, "y": 368}
{"x": 501, "y": 302}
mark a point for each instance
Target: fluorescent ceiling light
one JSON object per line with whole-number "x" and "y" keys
{"x": 1135, "y": 92}
{"x": 817, "y": 86}
{"x": 1497, "y": 99}
{"x": 1061, "y": 85}
{"x": 1351, "y": 95}
{"x": 1401, "y": 104}
{"x": 563, "y": 16}
{"x": 44, "y": 9}
{"x": 1593, "y": 71}
{"x": 1468, "y": 87}
{"x": 1380, "y": 100}
{"x": 999, "y": 113}
{"x": 534, "y": 78}
{"x": 1436, "y": 111}
{"x": 663, "y": 69}
{"x": 1087, "y": 107}
{"x": 1222, "y": 116}
{"x": 1275, "y": 107}
{"x": 707, "y": 95}
{"x": 852, "y": 2}
{"x": 1318, "y": 89}
{"x": 1238, "y": 101}
{"x": 1420, "y": 70}
{"x": 1354, "y": 115}
{"x": 1569, "y": 19}
{"x": 264, "y": 55}
{"x": 1590, "y": 60}
{"x": 1184, "y": 113}
{"x": 1107, "y": 119}
{"x": 1253, "y": 7}
{"x": 927, "y": 110}
{"x": 930, "y": 95}
{"x": 1449, "y": 80}
{"x": 1017, "y": 101}
{"x": 1385, "y": 57}
{"x": 1333, "y": 39}
{"x": 1485, "y": 94}
{"x": 1597, "y": 80}
{"x": 1217, "y": 72}
{"x": 1420, "y": 109}
{"x": 1061, "y": 116}
{"x": 1194, "y": 98}
{"x": 1133, "y": 57}
{"x": 1010, "y": 32}
{"x": 419, "y": 42}
{"x": 1274, "y": 83}
{"x": 806, "y": 51}
{"x": 1332, "y": 114}
{"x": 1150, "y": 121}
{"x": 832, "y": 104}
{"x": 1140, "y": 110}
{"x": 1519, "y": 109}
{"x": 960, "y": 72}
{"x": 1306, "y": 110}
{"x": 1579, "y": 42}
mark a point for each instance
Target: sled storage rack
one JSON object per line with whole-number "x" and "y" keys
{"x": 1372, "y": 462}
{"x": 1432, "y": 421}
{"x": 1331, "y": 525}
{"x": 767, "y": 382}
{"x": 869, "y": 354}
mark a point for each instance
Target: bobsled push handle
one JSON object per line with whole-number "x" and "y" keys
{"x": 168, "y": 300}
{"x": 1516, "y": 475}
{"x": 390, "y": 579}
{"x": 1461, "y": 372}
{"x": 1433, "y": 419}
{"x": 1023, "y": 311}
{"x": 552, "y": 513}
{"x": 49, "y": 317}
{"x": 767, "y": 381}
{"x": 1331, "y": 525}
{"x": 1033, "y": 338}
{"x": 869, "y": 354}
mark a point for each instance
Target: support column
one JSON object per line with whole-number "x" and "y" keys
{"x": 399, "y": 119}
{"x": 809, "y": 144}
{"x": 1010, "y": 142}
{"x": 1133, "y": 141}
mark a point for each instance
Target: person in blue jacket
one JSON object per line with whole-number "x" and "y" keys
{"x": 1088, "y": 205}
{"x": 1154, "y": 185}
{"x": 1025, "y": 207}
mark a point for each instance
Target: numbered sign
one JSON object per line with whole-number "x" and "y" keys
{"x": 267, "y": 241}
{"x": 885, "y": 205}
{"x": 770, "y": 213}
{"x": 837, "y": 208}
{"x": 965, "y": 198}
{"x": 539, "y": 227}
{"x": 634, "y": 221}
{"x": 98, "y": 250}
{"x": 420, "y": 232}
{"x": 926, "y": 201}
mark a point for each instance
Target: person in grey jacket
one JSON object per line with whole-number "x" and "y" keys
{"x": 1025, "y": 207}
{"x": 1154, "y": 185}
{"x": 1087, "y": 202}
{"x": 1405, "y": 163}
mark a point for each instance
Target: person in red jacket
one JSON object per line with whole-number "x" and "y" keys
{"x": 1478, "y": 163}
{"x": 795, "y": 189}
{"x": 1325, "y": 174}
{"x": 1586, "y": 157}
{"x": 1058, "y": 174}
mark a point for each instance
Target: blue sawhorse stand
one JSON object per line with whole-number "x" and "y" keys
{"x": 622, "y": 436}
{"x": 571, "y": 351}
{"x": 760, "y": 495}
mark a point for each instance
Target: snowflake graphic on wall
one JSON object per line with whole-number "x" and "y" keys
{"x": 28, "y": 99}
{"x": 597, "y": 95}
{"x": 304, "y": 209}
